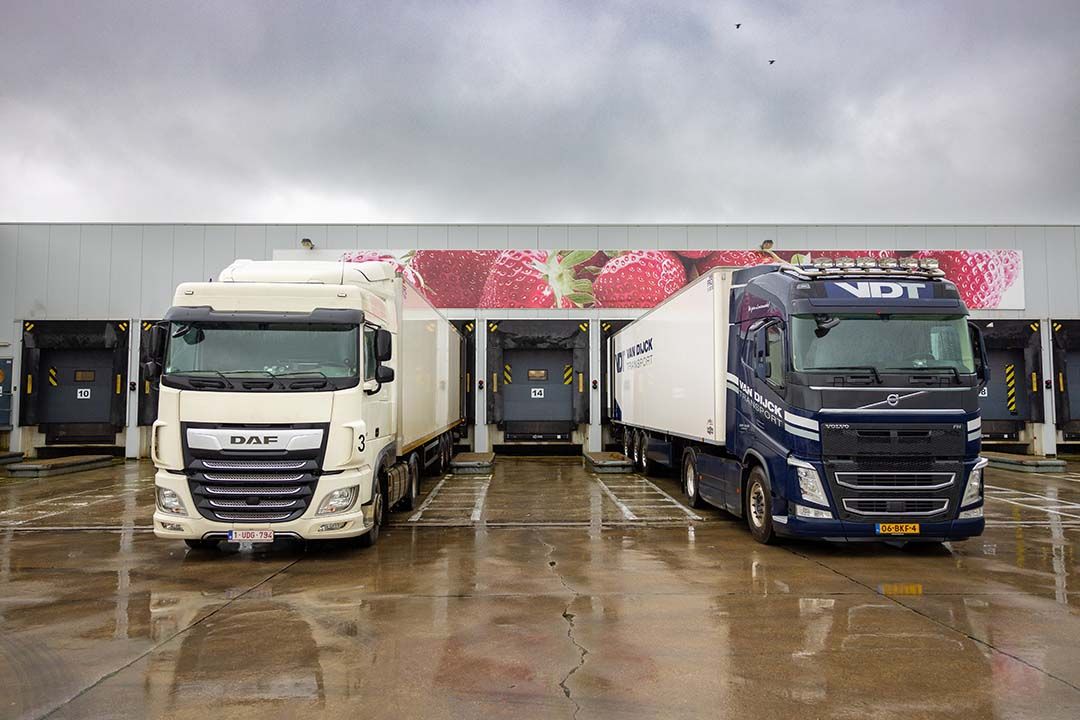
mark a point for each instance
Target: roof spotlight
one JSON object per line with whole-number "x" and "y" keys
{"x": 823, "y": 262}
{"x": 928, "y": 263}
{"x": 887, "y": 263}
{"x": 845, "y": 262}
{"x": 909, "y": 262}
{"x": 865, "y": 262}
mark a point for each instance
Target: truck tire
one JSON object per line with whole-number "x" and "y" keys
{"x": 690, "y": 479}
{"x": 639, "y": 451}
{"x": 371, "y": 537}
{"x": 412, "y": 492}
{"x": 448, "y": 453}
{"x": 628, "y": 443}
{"x": 202, "y": 544}
{"x": 758, "y": 506}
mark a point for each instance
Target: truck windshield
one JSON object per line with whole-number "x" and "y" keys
{"x": 252, "y": 350}
{"x": 882, "y": 342}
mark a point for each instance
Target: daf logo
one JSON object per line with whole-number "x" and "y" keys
{"x": 253, "y": 439}
{"x": 893, "y": 400}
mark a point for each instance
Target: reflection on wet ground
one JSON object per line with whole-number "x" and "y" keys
{"x": 541, "y": 591}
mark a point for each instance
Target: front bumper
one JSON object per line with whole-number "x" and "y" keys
{"x": 840, "y": 530}
{"x": 357, "y": 521}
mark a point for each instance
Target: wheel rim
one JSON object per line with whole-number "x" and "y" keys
{"x": 691, "y": 480}
{"x": 757, "y": 505}
{"x": 377, "y": 514}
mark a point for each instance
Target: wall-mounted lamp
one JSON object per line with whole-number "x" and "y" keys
{"x": 307, "y": 244}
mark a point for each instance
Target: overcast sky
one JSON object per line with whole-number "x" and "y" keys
{"x": 938, "y": 111}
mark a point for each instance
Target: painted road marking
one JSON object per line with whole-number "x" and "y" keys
{"x": 626, "y": 512}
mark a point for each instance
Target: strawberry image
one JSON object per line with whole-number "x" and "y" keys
{"x": 733, "y": 258}
{"x": 694, "y": 254}
{"x": 453, "y": 278}
{"x": 638, "y": 279}
{"x": 590, "y": 268}
{"x": 359, "y": 256}
{"x": 537, "y": 279}
{"x": 981, "y": 276}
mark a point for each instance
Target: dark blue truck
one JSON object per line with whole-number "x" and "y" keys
{"x": 847, "y": 391}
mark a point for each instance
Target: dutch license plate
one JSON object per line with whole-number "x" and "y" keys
{"x": 898, "y": 528}
{"x": 251, "y": 536}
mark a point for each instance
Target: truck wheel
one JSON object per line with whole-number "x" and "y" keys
{"x": 639, "y": 450}
{"x": 448, "y": 453}
{"x": 690, "y": 480}
{"x": 412, "y": 493}
{"x": 378, "y": 515}
{"x": 758, "y": 506}
{"x": 202, "y": 544}
{"x": 628, "y": 443}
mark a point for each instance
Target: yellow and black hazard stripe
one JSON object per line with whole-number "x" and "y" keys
{"x": 1057, "y": 326}
{"x": 122, "y": 325}
{"x": 117, "y": 383}
{"x": 508, "y": 375}
{"x": 581, "y": 382}
{"x": 1010, "y": 388}
{"x": 606, "y": 327}
{"x": 28, "y": 326}
{"x": 583, "y": 327}
{"x": 567, "y": 374}
{"x": 53, "y": 380}
{"x": 146, "y": 325}
{"x": 493, "y": 326}
{"x": 1034, "y": 326}
{"x": 469, "y": 327}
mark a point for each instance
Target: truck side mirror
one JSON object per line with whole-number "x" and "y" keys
{"x": 151, "y": 369}
{"x": 383, "y": 345}
{"x": 159, "y": 335}
{"x": 978, "y": 345}
{"x": 384, "y": 374}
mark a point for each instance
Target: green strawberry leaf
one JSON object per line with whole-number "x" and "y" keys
{"x": 581, "y": 299}
{"x": 576, "y": 257}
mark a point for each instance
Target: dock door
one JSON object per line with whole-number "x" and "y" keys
{"x": 1066, "y": 380}
{"x": 1013, "y": 397}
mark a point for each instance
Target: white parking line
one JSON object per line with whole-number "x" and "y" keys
{"x": 427, "y": 501}
{"x": 689, "y": 513}
{"x": 478, "y": 507}
{"x": 627, "y": 513}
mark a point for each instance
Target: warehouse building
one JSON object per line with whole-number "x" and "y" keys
{"x": 78, "y": 301}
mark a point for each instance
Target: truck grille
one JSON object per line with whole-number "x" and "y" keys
{"x": 253, "y": 486}
{"x": 895, "y": 480}
{"x": 896, "y": 506}
{"x": 851, "y": 440}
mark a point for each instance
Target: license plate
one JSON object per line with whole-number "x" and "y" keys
{"x": 898, "y": 528}
{"x": 251, "y": 536}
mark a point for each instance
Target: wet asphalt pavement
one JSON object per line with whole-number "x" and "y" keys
{"x": 539, "y": 592}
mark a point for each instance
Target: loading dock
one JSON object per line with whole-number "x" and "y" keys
{"x": 75, "y": 381}
{"x": 538, "y": 372}
{"x": 1066, "y": 380}
{"x": 1012, "y": 400}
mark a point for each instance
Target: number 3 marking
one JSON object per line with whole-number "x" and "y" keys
{"x": 363, "y": 444}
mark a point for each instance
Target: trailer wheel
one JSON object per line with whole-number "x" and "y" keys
{"x": 690, "y": 479}
{"x": 628, "y": 443}
{"x": 448, "y": 453}
{"x": 371, "y": 537}
{"x": 639, "y": 450}
{"x": 758, "y": 506}
{"x": 413, "y": 491}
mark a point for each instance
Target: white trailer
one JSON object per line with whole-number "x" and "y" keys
{"x": 299, "y": 399}
{"x": 670, "y": 365}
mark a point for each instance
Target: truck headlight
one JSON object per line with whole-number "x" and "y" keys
{"x": 169, "y": 501}
{"x": 339, "y": 501}
{"x": 973, "y": 491}
{"x": 809, "y": 482}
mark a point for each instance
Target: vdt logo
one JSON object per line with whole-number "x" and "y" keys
{"x": 882, "y": 290}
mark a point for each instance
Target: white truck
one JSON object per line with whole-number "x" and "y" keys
{"x": 299, "y": 399}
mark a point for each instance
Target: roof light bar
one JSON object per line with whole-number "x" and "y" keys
{"x": 865, "y": 262}
{"x": 823, "y": 262}
{"x": 928, "y": 263}
{"x": 909, "y": 263}
{"x": 844, "y": 262}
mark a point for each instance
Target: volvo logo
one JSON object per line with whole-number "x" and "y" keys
{"x": 893, "y": 400}
{"x": 253, "y": 439}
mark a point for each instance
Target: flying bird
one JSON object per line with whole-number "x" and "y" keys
{"x": 738, "y": 25}
{"x": 771, "y": 62}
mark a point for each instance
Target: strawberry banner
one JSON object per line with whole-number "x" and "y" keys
{"x": 987, "y": 279}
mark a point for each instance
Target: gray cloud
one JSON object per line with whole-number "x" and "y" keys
{"x": 529, "y": 111}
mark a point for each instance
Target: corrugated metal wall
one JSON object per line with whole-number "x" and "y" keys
{"x": 67, "y": 271}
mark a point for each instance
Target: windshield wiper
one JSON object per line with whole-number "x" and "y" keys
{"x": 317, "y": 373}
{"x": 868, "y": 368}
{"x": 931, "y": 368}
{"x": 194, "y": 374}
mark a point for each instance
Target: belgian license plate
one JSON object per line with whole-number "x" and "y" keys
{"x": 251, "y": 536}
{"x": 898, "y": 528}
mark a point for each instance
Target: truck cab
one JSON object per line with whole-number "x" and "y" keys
{"x": 856, "y": 389}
